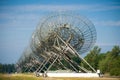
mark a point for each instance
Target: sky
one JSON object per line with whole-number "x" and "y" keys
{"x": 19, "y": 19}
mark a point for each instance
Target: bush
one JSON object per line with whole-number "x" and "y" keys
{"x": 115, "y": 72}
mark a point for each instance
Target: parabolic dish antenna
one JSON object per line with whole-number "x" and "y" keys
{"x": 58, "y": 38}
{"x": 74, "y": 29}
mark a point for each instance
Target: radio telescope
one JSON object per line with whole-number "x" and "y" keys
{"x": 58, "y": 38}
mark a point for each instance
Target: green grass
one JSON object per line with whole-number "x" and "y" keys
{"x": 19, "y": 77}
{"x": 33, "y": 77}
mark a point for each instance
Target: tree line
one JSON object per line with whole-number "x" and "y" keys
{"x": 108, "y": 62}
{"x": 7, "y": 68}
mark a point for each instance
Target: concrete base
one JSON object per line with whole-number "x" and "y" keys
{"x": 70, "y": 75}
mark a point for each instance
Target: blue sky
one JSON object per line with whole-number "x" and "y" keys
{"x": 19, "y": 18}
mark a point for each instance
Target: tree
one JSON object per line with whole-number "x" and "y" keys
{"x": 115, "y": 63}
{"x": 92, "y": 58}
{"x": 103, "y": 66}
{"x": 111, "y": 62}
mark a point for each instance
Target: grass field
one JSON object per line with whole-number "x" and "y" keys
{"x": 33, "y": 77}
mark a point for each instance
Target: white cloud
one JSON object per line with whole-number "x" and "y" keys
{"x": 24, "y": 14}
{"x": 107, "y": 23}
{"x": 108, "y": 44}
{"x": 19, "y": 20}
{"x": 46, "y": 7}
{"x": 92, "y": 7}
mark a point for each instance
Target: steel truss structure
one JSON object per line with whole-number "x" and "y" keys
{"x": 59, "y": 37}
